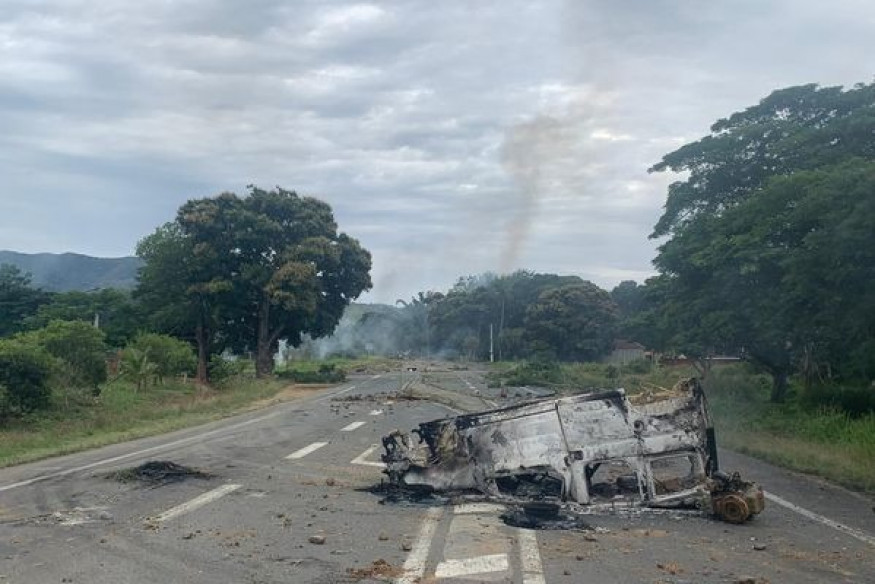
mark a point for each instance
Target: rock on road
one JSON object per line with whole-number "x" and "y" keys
{"x": 286, "y": 500}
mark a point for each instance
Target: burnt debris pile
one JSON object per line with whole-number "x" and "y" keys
{"x": 157, "y": 472}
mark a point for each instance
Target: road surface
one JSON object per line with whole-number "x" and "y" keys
{"x": 286, "y": 500}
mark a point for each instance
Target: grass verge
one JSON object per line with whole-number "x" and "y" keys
{"x": 121, "y": 413}
{"x": 821, "y": 441}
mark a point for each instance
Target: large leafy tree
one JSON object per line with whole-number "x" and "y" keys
{"x": 477, "y": 303}
{"x": 181, "y": 290}
{"x": 769, "y": 232}
{"x": 576, "y": 321}
{"x": 267, "y": 266}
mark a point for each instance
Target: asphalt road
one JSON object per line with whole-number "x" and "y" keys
{"x": 287, "y": 501}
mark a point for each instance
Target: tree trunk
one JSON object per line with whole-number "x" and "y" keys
{"x": 779, "y": 387}
{"x": 265, "y": 342}
{"x": 203, "y": 354}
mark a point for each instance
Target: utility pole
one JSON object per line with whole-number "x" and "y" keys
{"x": 491, "y": 346}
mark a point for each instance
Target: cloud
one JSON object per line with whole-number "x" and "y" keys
{"x": 450, "y": 137}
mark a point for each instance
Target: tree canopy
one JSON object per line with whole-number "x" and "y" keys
{"x": 249, "y": 271}
{"x": 770, "y": 236}
{"x": 18, "y": 299}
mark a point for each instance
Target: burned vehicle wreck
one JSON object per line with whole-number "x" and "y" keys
{"x": 598, "y": 449}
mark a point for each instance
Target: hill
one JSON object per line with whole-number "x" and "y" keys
{"x": 73, "y": 271}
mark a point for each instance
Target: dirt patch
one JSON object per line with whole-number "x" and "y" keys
{"x": 378, "y": 570}
{"x": 157, "y": 472}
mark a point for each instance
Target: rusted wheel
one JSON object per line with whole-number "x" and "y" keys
{"x": 733, "y": 509}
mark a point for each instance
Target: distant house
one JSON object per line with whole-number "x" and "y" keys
{"x": 625, "y": 351}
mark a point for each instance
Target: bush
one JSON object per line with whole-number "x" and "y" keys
{"x": 137, "y": 366}
{"x": 638, "y": 366}
{"x": 25, "y": 371}
{"x": 169, "y": 355}
{"x": 530, "y": 373}
{"x": 221, "y": 368}
{"x": 323, "y": 373}
{"x": 854, "y": 400}
{"x": 79, "y": 348}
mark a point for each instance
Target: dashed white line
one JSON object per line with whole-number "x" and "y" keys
{"x": 375, "y": 412}
{"x": 530, "y": 558}
{"x": 856, "y": 533}
{"x": 471, "y": 566}
{"x": 362, "y": 458}
{"x": 414, "y": 566}
{"x": 353, "y": 426}
{"x": 376, "y": 377}
{"x": 196, "y": 503}
{"x": 336, "y": 393}
{"x": 306, "y": 450}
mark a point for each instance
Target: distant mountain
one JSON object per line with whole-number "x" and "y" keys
{"x": 73, "y": 271}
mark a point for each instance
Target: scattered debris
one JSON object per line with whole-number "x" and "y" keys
{"x": 542, "y": 515}
{"x": 600, "y": 449}
{"x": 382, "y": 397}
{"x": 670, "y": 568}
{"x": 379, "y": 569}
{"x": 157, "y": 472}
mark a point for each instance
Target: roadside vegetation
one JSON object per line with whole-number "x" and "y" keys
{"x": 121, "y": 412}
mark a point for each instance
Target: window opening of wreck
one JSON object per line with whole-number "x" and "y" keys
{"x": 535, "y": 484}
{"x": 612, "y": 479}
{"x": 676, "y": 473}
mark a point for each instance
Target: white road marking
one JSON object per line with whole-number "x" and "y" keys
{"x": 376, "y": 377}
{"x": 821, "y": 519}
{"x": 353, "y": 426}
{"x": 478, "y": 508}
{"x": 336, "y": 393}
{"x": 375, "y": 412}
{"x": 470, "y": 566}
{"x": 414, "y": 566}
{"x": 530, "y": 558}
{"x": 306, "y": 450}
{"x": 361, "y": 458}
{"x": 196, "y": 503}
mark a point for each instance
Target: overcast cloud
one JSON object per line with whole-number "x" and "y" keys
{"x": 450, "y": 137}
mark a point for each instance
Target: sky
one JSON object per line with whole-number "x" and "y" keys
{"x": 451, "y": 138}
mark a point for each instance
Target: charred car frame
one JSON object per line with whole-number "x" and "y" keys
{"x": 595, "y": 449}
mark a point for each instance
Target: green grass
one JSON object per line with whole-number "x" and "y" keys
{"x": 121, "y": 413}
{"x": 576, "y": 377}
{"x": 823, "y": 441}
